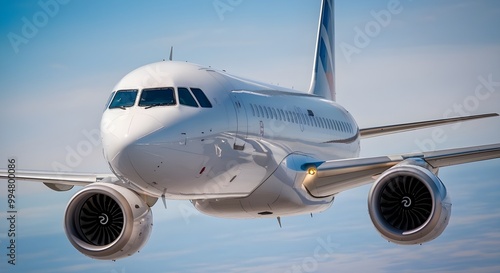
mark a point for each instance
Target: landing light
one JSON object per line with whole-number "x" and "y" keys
{"x": 312, "y": 171}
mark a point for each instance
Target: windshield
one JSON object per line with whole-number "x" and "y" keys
{"x": 202, "y": 98}
{"x": 123, "y": 98}
{"x": 185, "y": 97}
{"x": 157, "y": 97}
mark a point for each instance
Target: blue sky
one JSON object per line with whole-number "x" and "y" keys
{"x": 426, "y": 62}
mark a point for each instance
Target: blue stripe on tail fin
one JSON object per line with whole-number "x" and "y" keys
{"x": 323, "y": 78}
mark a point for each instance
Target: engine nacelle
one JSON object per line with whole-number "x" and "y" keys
{"x": 408, "y": 204}
{"x": 107, "y": 222}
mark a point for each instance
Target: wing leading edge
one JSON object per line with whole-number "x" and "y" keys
{"x": 336, "y": 176}
{"x": 60, "y": 181}
{"x": 397, "y": 128}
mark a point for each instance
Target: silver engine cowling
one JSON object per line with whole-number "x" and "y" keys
{"x": 107, "y": 222}
{"x": 408, "y": 204}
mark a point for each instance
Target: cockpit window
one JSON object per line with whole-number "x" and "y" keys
{"x": 201, "y": 97}
{"x": 109, "y": 100}
{"x": 123, "y": 99}
{"x": 185, "y": 97}
{"x": 152, "y": 97}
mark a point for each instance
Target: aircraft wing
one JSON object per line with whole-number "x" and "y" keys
{"x": 59, "y": 181}
{"x": 334, "y": 176}
{"x": 391, "y": 129}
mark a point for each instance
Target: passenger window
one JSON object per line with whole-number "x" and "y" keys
{"x": 295, "y": 118}
{"x": 185, "y": 97}
{"x": 152, "y": 97}
{"x": 304, "y": 119}
{"x": 275, "y": 115}
{"x": 261, "y": 111}
{"x": 124, "y": 98}
{"x": 202, "y": 98}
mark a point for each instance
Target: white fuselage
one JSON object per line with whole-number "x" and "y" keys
{"x": 241, "y": 157}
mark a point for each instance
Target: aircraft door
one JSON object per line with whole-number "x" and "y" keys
{"x": 301, "y": 116}
{"x": 241, "y": 122}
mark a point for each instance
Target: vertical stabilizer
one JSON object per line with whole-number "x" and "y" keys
{"x": 323, "y": 77}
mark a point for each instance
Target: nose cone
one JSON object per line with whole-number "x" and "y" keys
{"x": 120, "y": 133}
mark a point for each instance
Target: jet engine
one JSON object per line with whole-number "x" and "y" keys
{"x": 107, "y": 222}
{"x": 408, "y": 204}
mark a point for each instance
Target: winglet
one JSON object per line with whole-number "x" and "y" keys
{"x": 171, "y": 53}
{"x": 323, "y": 76}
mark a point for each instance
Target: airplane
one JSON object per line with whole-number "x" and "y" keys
{"x": 239, "y": 148}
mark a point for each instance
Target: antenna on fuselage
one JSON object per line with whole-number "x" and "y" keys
{"x": 171, "y": 53}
